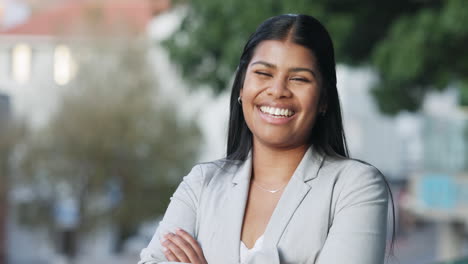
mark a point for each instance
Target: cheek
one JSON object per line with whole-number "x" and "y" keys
{"x": 310, "y": 105}
{"x": 309, "y": 98}
{"x": 313, "y": 105}
{"x": 250, "y": 87}
{"x": 249, "y": 92}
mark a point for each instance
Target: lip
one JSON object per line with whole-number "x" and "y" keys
{"x": 274, "y": 120}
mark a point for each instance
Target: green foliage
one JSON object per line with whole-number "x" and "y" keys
{"x": 111, "y": 129}
{"x": 415, "y": 46}
{"x": 11, "y": 133}
{"x": 422, "y": 52}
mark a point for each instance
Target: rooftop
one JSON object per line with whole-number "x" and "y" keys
{"x": 72, "y": 16}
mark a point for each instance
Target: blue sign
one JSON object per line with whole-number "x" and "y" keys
{"x": 439, "y": 191}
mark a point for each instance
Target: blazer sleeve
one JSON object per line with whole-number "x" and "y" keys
{"x": 181, "y": 212}
{"x": 359, "y": 228}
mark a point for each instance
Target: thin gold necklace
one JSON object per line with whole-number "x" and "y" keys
{"x": 267, "y": 190}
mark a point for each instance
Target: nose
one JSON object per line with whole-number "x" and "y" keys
{"x": 279, "y": 88}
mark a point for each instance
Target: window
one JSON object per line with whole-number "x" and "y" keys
{"x": 21, "y": 63}
{"x": 64, "y": 65}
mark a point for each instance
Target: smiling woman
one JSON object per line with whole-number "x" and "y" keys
{"x": 281, "y": 79}
{"x": 287, "y": 190}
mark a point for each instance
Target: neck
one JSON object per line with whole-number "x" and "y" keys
{"x": 275, "y": 166}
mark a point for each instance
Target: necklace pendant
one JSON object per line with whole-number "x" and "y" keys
{"x": 267, "y": 190}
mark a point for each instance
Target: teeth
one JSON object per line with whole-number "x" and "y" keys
{"x": 276, "y": 111}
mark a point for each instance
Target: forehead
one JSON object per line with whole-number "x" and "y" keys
{"x": 284, "y": 53}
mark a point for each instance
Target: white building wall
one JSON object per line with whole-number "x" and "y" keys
{"x": 36, "y": 98}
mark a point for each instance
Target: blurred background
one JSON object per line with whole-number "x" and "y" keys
{"x": 106, "y": 104}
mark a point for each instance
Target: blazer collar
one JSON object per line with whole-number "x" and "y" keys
{"x": 244, "y": 172}
{"x": 306, "y": 170}
{"x": 231, "y": 218}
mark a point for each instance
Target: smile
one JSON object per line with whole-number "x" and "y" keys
{"x": 276, "y": 112}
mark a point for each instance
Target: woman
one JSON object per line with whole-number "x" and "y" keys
{"x": 287, "y": 191}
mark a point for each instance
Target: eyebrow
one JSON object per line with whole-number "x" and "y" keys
{"x": 295, "y": 69}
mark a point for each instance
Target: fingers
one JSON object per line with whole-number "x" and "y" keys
{"x": 169, "y": 255}
{"x": 193, "y": 243}
{"x": 180, "y": 248}
{"x": 173, "y": 252}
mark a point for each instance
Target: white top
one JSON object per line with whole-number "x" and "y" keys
{"x": 246, "y": 253}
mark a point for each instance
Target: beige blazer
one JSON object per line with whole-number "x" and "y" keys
{"x": 331, "y": 212}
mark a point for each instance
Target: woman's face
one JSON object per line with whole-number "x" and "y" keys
{"x": 280, "y": 96}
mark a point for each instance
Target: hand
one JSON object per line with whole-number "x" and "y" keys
{"x": 182, "y": 247}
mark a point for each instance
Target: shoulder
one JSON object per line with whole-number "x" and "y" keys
{"x": 351, "y": 175}
{"x": 351, "y": 169}
{"x": 206, "y": 173}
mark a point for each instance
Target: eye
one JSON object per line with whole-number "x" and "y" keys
{"x": 263, "y": 73}
{"x": 298, "y": 79}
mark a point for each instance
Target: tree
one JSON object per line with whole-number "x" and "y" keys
{"x": 113, "y": 147}
{"x": 414, "y": 45}
{"x": 422, "y": 52}
{"x": 11, "y": 133}
{"x": 5, "y": 146}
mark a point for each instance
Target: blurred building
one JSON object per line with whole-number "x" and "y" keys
{"x": 392, "y": 144}
{"x": 439, "y": 192}
{"x": 37, "y": 58}
{"x": 37, "y": 62}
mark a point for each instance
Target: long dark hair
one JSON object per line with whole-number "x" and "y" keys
{"x": 327, "y": 135}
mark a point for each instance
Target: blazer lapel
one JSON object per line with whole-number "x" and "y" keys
{"x": 292, "y": 196}
{"x": 232, "y": 214}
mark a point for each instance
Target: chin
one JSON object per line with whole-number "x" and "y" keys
{"x": 276, "y": 141}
